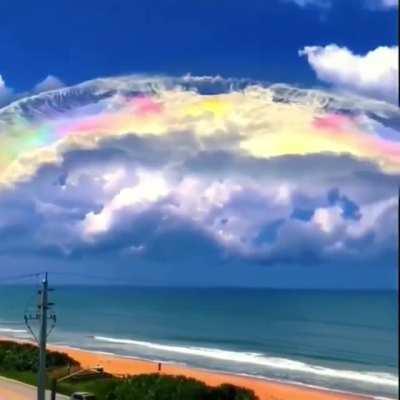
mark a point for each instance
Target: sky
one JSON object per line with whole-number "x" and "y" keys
{"x": 212, "y": 143}
{"x": 244, "y": 39}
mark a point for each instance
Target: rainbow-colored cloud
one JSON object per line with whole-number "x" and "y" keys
{"x": 262, "y": 174}
{"x": 264, "y": 127}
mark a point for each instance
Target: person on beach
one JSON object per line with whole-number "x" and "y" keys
{"x": 159, "y": 367}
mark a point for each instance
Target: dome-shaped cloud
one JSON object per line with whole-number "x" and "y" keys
{"x": 162, "y": 170}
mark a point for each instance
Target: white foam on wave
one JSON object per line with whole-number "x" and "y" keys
{"x": 378, "y": 378}
{"x": 9, "y": 330}
{"x": 382, "y": 398}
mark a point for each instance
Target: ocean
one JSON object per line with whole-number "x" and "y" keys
{"x": 341, "y": 340}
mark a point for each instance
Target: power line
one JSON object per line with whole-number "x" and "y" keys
{"x": 106, "y": 278}
{"x": 20, "y": 277}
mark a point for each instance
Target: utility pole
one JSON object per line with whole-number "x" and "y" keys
{"x": 42, "y": 316}
{"x": 41, "y": 387}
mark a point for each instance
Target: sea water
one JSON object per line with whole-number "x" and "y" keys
{"x": 342, "y": 340}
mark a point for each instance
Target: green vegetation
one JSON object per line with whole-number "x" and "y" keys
{"x": 100, "y": 387}
{"x": 168, "y": 387}
{"x": 23, "y": 357}
{"x": 26, "y": 376}
{"x": 157, "y": 387}
{"x": 19, "y": 361}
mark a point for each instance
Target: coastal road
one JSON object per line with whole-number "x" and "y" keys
{"x": 14, "y": 390}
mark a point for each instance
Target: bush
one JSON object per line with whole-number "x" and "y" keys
{"x": 227, "y": 391}
{"x": 166, "y": 387}
{"x": 25, "y": 357}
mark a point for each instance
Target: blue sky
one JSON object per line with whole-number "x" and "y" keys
{"x": 232, "y": 207}
{"x": 257, "y": 39}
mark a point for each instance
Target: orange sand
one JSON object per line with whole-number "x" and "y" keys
{"x": 264, "y": 389}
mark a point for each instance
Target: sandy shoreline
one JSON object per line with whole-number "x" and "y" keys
{"x": 265, "y": 390}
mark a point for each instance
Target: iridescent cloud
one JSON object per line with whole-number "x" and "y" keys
{"x": 262, "y": 174}
{"x": 264, "y": 127}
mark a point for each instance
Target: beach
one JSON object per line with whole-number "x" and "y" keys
{"x": 265, "y": 390}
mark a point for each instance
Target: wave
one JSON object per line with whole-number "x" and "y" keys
{"x": 382, "y": 398}
{"x": 9, "y": 330}
{"x": 378, "y": 378}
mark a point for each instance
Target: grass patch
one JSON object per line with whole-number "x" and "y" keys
{"x": 22, "y": 376}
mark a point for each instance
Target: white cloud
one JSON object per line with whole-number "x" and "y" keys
{"x": 51, "y": 82}
{"x": 5, "y": 92}
{"x": 383, "y": 4}
{"x": 88, "y": 204}
{"x": 374, "y": 74}
{"x": 390, "y": 3}
{"x": 149, "y": 188}
{"x": 328, "y": 219}
{"x": 371, "y": 4}
{"x": 316, "y": 3}
{"x": 8, "y": 95}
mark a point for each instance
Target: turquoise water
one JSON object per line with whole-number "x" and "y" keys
{"x": 344, "y": 340}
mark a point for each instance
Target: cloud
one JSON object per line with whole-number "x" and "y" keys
{"x": 5, "y": 92}
{"x": 84, "y": 116}
{"x": 370, "y": 4}
{"x": 107, "y": 200}
{"x": 390, "y": 3}
{"x": 259, "y": 175}
{"x": 373, "y": 74}
{"x": 382, "y": 4}
{"x": 9, "y": 95}
{"x": 51, "y": 82}
{"x": 314, "y": 3}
